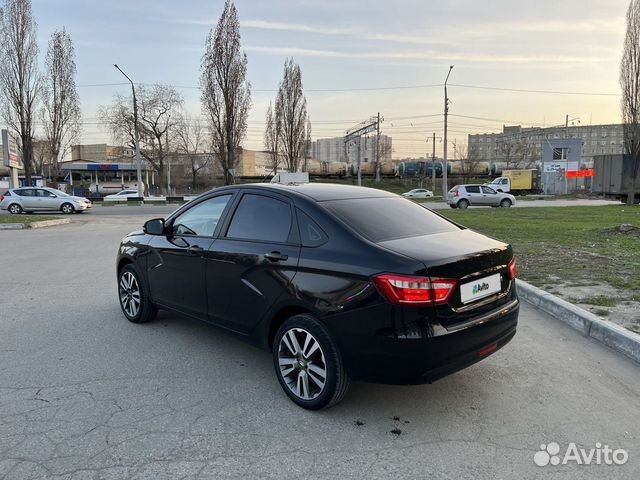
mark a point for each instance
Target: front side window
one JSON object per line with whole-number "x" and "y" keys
{"x": 487, "y": 190}
{"x": 201, "y": 220}
{"x": 261, "y": 218}
{"x": 44, "y": 193}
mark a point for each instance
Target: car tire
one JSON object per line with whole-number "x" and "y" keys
{"x": 453, "y": 206}
{"x": 14, "y": 209}
{"x": 505, "y": 203}
{"x": 133, "y": 296}
{"x": 300, "y": 343}
{"x": 67, "y": 208}
{"x": 463, "y": 203}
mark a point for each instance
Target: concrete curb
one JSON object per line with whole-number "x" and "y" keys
{"x": 25, "y": 226}
{"x": 614, "y": 336}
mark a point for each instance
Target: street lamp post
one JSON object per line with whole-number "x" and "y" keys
{"x": 135, "y": 132}
{"x": 444, "y": 159}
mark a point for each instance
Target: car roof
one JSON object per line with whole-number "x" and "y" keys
{"x": 321, "y": 192}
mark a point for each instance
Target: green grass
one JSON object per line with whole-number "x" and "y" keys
{"x": 566, "y": 245}
{"x": 25, "y": 218}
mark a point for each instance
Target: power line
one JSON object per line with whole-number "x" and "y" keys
{"x": 524, "y": 90}
{"x": 382, "y": 88}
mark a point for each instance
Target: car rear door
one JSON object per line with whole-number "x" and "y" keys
{"x": 176, "y": 262}
{"x": 473, "y": 194}
{"x": 27, "y": 198}
{"x": 253, "y": 260}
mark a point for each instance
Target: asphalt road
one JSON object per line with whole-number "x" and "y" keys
{"x": 84, "y": 394}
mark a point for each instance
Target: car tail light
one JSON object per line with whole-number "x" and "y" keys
{"x": 412, "y": 290}
{"x": 456, "y": 193}
{"x": 513, "y": 270}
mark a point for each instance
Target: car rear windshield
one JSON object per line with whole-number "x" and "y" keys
{"x": 381, "y": 219}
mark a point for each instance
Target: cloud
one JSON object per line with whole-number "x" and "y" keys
{"x": 422, "y": 55}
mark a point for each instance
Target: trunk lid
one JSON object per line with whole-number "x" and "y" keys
{"x": 466, "y": 256}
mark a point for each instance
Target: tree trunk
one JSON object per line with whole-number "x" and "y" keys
{"x": 631, "y": 197}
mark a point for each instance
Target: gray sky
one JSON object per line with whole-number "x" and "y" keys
{"x": 348, "y": 48}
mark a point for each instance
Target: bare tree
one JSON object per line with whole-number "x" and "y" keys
{"x": 20, "y": 82}
{"x": 630, "y": 84}
{"x": 226, "y": 94}
{"x": 291, "y": 104}
{"x": 190, "y": 141}
{"x": 272, "y": 138}
{"x": 510, "y": 150}
{"x": 469, "y": 158}
{"x": 158, "y": 114}
{"x": 61, "y": 113}
{"x": 41, "y": 156}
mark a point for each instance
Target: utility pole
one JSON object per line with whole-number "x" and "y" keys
{"x": 566, "y": 127}
{"x": 359, "y": 168}
{"x": 445, "y": 182}
{"x": 433, "y": 165}
{"x": 168, "y": 165}
{"x": 378, "y": 149}
{"x": 135, "y": 133}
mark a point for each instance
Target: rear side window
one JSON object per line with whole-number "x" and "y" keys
{"x": 472, "y": 189}
{"x": 311, "y": 235}
{"x": 261, "y": 218}
{"x": 27, "y": 192}
{"x": 381, "y": 219}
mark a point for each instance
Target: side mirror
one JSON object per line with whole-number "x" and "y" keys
{"x": 154, "y": 226}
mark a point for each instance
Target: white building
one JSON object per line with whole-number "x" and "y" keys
{"x": 335, "y": 150}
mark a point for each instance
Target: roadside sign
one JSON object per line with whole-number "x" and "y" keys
{"x": 10, "y": 152}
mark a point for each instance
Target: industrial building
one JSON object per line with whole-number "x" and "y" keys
{"x": 523, "y": 147}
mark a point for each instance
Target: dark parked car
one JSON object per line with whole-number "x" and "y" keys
{"x": 339, "y": 282}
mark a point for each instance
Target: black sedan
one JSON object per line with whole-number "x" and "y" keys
{"x": 341, "y": 283}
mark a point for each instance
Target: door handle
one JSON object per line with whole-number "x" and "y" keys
{"x": 276, "y": 256}
{"x": 195, "y": 250}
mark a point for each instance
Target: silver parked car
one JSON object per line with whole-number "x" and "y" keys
{"x": 32, "y": 199}
{"x": 463, "y": 196}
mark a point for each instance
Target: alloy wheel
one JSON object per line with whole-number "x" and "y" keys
{"x": 67, "y": 209}
{"x": 302, "y": 363}
{"x": 14, "y": 208}
{"x": 129, "y": 294}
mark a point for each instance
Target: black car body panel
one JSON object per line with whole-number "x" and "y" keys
{"x": 249, "y": 286}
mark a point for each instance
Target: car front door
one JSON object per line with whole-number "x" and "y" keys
{"x": 490, "y": 196}
{"x": 46, "y": 200}
{"x": 176, "y": 261}
{"x": 253, "y": 261}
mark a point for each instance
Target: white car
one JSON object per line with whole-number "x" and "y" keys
{"x": 418, "y": 193}
{"x": 122, "y": 195}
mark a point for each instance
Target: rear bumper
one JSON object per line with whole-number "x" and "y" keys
{"x": 421, "y": 359}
